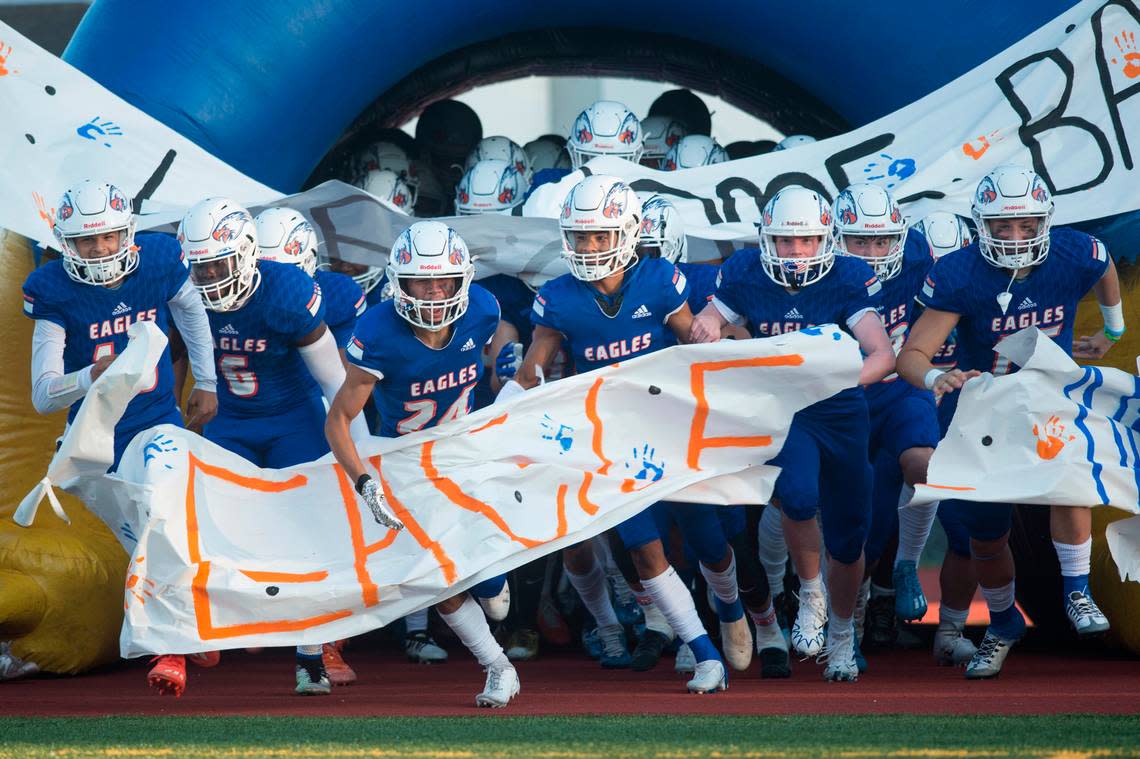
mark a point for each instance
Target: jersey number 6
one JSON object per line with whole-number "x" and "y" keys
{"x": 235, "y": 368}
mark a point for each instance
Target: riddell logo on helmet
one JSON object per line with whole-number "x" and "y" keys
{"x": 430, "y": 267}
{"x": 792, "y": 223}
{"x": 95, "y": 225}
{"x": 1013, "y": 208}
{"x": 880, "y": 225}
{"x": 587, "y": 220}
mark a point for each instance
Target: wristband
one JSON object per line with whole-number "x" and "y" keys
{"x": 1113, "y": 320}
{"x": 361, "y": 481}
{"x": 1113, "y": 337}
{"x": 932, "y": 377}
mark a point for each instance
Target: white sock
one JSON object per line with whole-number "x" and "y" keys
{"x": 955, "y": 618}
{"x": 676, "y": 603}
{"x": 998, "y": 599}
{"x": 470, "y": 625}
{"x": 764, "y": 617}
{"x": 309, "y": 650}
{"x": 914, "y": 526}
{"x": 1074, "y": 559}
{"x": 838, "y": 626}
{"x": 773, "y": 550}
{"x": 595, "y": 593}
{"x": 723, "y": 584}
{"x": 416, "y": 621}
{"x": 814, "y": 585}
{"x": 654, "y": 619}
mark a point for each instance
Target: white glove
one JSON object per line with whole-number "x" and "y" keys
{"x": 369, "y": 490}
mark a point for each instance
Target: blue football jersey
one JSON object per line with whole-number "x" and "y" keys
{"x": 848, "y": 290}
{"x": 420, "y": 387}
{"x": 515, "y": 300}
{"x": 344, "y": 303}
{"x": 964, "y": 283}
{"x": 897, "y": 305}
{"x": 650, "y": 293}
{"x": 260, "y": 372}
{"x": 96, "y": 318}
{"x": 702, "y": 284}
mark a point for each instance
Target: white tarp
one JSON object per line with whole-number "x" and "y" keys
{"x": 1053, "y": 433}
{"x": 1060, "y": 101}
{"x": 227, "y": 555}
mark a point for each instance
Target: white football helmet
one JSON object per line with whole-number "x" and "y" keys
{"x": 219, "y": 240}
{"x": 285, "y": 236}
{"x": 502, "y": 148}
{"x": 946, "y": 232}
{"x": 661, "y": 133}
{"x": 605, "y": 128}
{"x": 868, "y": 210}
{"x": 1011, "y": 192}
{"x": 796, "y": 212}
{"x": 490, "y": 186}
{"x": 390, "y": 156}
{"x": 546, "y": 154}
{"x": 600, "y": 204}
{"x": 692, "y": 151}
{"x": 430, "y": 250}
{"x": 390, "y": 186}
{"x": 663, "y": 229}
{"x": 793, "y": 141}
{"x": 94, "y": 208}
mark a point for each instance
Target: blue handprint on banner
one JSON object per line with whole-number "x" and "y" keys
{"x": 650, "y": 470}
{"x": 558, "y": 433}
{"x": 893, "y": 169}
{"x": 160, "y": 444}
{"x": 96, "y": 129}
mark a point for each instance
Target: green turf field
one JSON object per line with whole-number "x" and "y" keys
{"x": 1063, "y": 737}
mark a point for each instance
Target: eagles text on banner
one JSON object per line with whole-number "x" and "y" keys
{"x": 1053, "y": 433}
{"x": 227, "y": 555}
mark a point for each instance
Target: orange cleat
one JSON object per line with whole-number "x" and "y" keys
{"x": 338, "y": 670}
{"x": 205, "y": 659}
{"x": 168, "y": 675}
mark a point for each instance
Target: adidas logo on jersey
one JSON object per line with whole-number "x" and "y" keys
{"x": 121, "y": 309}
{"x": 1027, "y": 303}
{"x": 794, "y": 314}
{"x": 468, "y": 345}
{"x": 227, "y": 330}
{"x": 642, "y": 312}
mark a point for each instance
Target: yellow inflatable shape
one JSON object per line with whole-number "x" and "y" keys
{"x": 61, "y": 586}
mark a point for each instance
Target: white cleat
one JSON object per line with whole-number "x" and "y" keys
{"x": 502, "y": 685}
{"x": 772, "y": 648}
{"x": 496, "y": 607}
{"x": 807, "y": 632}
{"x": 840, "y": 657}
{"x": 951, "y": 647}
{"x": 989, "y": 657}
{"x": 736, "y": 640}
{"x": 710, "y": 676}
{"x": 1085, "y": 616}
{"x": 685, "y": 662}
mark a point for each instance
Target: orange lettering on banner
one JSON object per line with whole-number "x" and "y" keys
{"x": 697, "y": 440}
{"x": 369, "y": 591}
{"x": 561, "y": 501}
{"x": 285, "y": 576}
{"x": 199, "y": 586}
{"x": 592, "y": 415}
{"x": 492, "y": 423}
{"x": 947, "y": 487}
{"x": 446, "y": 565}
{"x": 583, "y": 501}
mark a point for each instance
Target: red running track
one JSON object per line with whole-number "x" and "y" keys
{"x": 565, "y": 682}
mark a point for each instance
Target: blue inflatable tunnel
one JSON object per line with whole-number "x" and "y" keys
{"x": 276, "y": 88}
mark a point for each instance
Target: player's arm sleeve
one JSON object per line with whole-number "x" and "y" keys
{"x": 189, "y": 314}
{"x": 322, "y": 359}
{"x": 730, "y": 294}
{"x": 52, "y": 390}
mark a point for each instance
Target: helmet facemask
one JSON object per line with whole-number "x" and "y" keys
{"x": 224, "y": 280}
{"x": 105, "y": 270}
{"x": 885, "y": 266}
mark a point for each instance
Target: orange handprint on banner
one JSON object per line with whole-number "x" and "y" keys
{"x": 1129, "y": 56}
{"x": 45, "y": 213}
{"x": 5, "y": 51}
{"x": 1050, "y": 438}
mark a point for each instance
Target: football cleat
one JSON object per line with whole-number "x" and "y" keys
{"x": 709, "y": 676}
{"x": 421, "y": 648}
{"x": 808, "y": 629}
{"x": 910, "y": 603}
{"x": 685, "y": 661}
{"x": 772, "y": 648}
{"x": 839, "y": 655}
{"x": 592, "y": 642}
{"x": 205, "y": 659}
{"x": 988, "y": 659}
{"x": 648, "y": 650}
{"x": 951, "y": 647}
{"x": 522, "y": 645}
{"x": 312, "y": 680}
{"x": 168, "y": 675}
{"x": 736, "y": 640}
{"x": 881, "y": 627}
{"x": 1085, "y": 616}
{"x": 502, "y": 685}
{"x": 338, "y": 671}
{"x": 615, "y": 650}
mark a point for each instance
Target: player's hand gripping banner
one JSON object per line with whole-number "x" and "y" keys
{"x": 225, "y": 555}
{"x": 1053, "y": 433}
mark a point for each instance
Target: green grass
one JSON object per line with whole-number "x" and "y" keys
{"x": 1063, "y": 736}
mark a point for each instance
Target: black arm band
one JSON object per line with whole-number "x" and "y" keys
{"x": 360, "y": 481}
